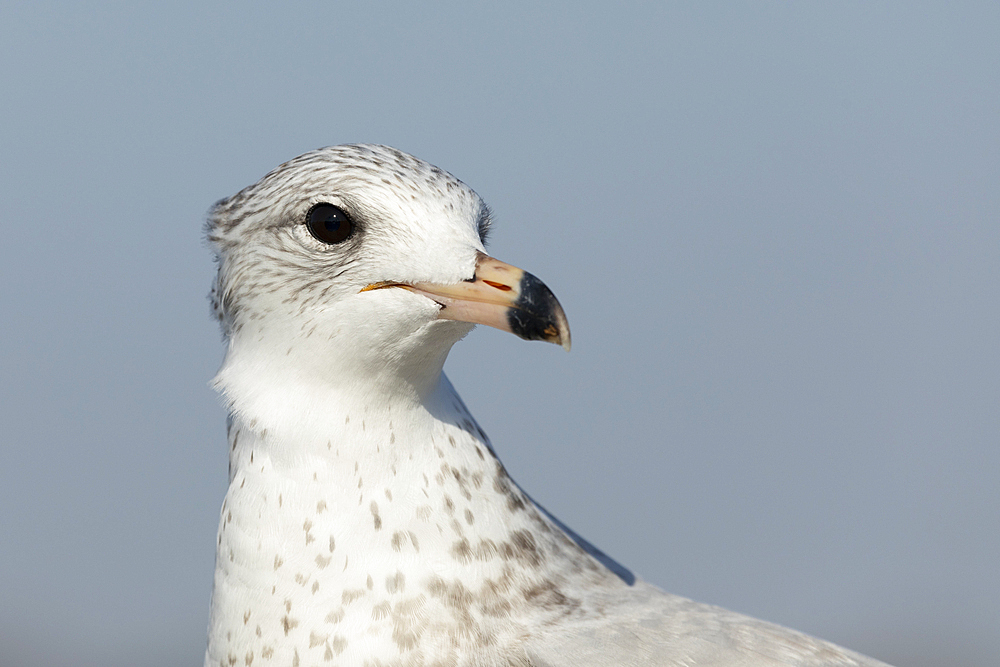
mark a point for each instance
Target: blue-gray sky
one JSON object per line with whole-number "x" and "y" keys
{"x": 775, "y": 228}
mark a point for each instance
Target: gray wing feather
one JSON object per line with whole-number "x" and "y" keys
{"x": 645, "y": 626}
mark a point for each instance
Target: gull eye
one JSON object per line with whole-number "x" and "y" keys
{"x": 329, "y": 223}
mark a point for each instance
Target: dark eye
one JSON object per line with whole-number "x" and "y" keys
{"x": 328, "y": 223}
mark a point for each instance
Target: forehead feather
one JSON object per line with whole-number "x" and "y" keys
{"x": 376, "y": 179}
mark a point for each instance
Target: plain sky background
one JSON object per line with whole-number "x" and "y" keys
{"x": 775, "y": 228}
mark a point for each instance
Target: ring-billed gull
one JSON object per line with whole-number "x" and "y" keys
{"x": 368, "y": 520}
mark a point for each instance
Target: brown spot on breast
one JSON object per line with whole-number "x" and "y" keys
{"x": 349, "y": 596}
{"x": 493, "y": 601}
{"x": 502, "y": 485}
{"x": 395, "y": 583}
{"x": 287, "y": 623}
{"x": 406, "y": 628}
{"x": 454, "y": 595}
{"x": 486, "y": 550}
{"x": 461, "y": 551}
{"x": 381, "y": 610}
{"x": 522, "y": 548}
{"x": 404, "y": 635}
{"x": 410, "y": 607}
{"x": 548, "y": 596}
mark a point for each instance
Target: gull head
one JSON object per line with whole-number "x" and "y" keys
{"x": 361, "y": 264}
